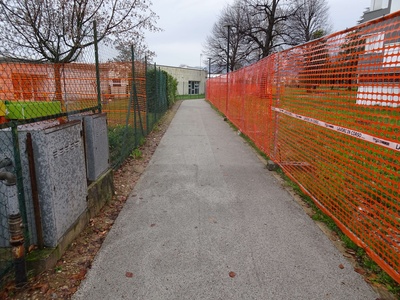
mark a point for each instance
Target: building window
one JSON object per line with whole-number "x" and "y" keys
{"x": 194, "y": 87}
{"x": 29, "y": 86}
{"x": 379, "y": 4}
{"x": 116, "y": 82}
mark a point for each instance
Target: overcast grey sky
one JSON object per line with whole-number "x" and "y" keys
{"x": 186, "y": 24}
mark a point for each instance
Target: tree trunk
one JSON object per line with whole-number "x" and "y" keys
{"x": 58, "y": 85}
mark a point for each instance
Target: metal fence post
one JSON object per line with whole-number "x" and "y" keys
{"x": 147, "y": 96}
{"x": 156, "y": 90}
{"x": 20, "y": 184}
{"x": 96, "y": 55}
{"x": 278, "y": 95}
{"x": 133, "y": 93}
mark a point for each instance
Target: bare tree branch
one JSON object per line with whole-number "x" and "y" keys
{"x": 242, "y": 50}
{"x": 309, "y": 22}
{"x": 58, "y": 30}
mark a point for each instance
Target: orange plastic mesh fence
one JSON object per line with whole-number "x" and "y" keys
{"x": 116, "y": 82}
{"x": 73, "y": 86}
{"x": 328, "y": 112}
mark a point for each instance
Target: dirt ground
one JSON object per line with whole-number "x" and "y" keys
{"x": 62, "y": 281}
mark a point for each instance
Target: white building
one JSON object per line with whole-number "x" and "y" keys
{"x": 379, "y": 63}
{"x": 191, "y": 81}
{"x": 380, "y": 8}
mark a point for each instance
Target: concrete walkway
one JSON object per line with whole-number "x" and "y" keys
{"x": 208, "y": 221}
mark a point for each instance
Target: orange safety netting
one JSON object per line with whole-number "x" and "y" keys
{"x": 328, "y": 112}
{"x": 73, "y": 86}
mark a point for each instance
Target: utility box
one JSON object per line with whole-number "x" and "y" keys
{"x": 96, "y": 144}
{"x": 60, "y": 174}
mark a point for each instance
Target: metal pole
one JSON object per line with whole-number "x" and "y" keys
{"x": 147, "y": 96}
{"x": 96, "y": 55}
{"x": 20, "y": 183}
{"x": 18, "y": 223}
{"x": 133, "y": 95}
{"x": 209, "y": 67}
{"x": 227, "y": 54}
{"x": 156, "y": 92}
{"x": 278, "y": 92}
{"x": 35, "y": 193}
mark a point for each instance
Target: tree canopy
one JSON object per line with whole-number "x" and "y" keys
{"x": 259, "y": 28}
{"x": 59, "y": 30}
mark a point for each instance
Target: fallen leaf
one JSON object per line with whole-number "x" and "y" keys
{"x": 232, "y": 274}
{"x": 80, "y": 275}
{"x": 360, "y": 271}
{"x": 44, "y": 288}
{"x": 129, "y": 274}
{"x": 341, "y": 266}
{"x": 352, "y": 252}
{"x": 31, "y": 248}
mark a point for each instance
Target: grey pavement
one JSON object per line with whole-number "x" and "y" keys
{"x": 206, "y": 207}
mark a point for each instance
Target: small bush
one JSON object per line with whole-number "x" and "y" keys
{"x": 121, "y": 142}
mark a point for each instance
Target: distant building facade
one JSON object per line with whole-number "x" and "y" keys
{"x": 379, "y": 62}
{"x": 191, "y": 81}
{"x": 380, "y": 8}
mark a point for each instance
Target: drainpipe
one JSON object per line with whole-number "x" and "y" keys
{"x": 18, "y": 248}
{"x": 15, "y": 225}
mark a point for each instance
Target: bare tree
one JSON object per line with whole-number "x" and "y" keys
{"x": 58, "y": 31}
{"x": 311, "y": 21}
{"x": 241, "y": 49}
{"x": 266, "y": 23}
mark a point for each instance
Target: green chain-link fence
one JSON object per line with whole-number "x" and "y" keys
{"x": 36, "y": 100}
{"x": 133, "y": 110}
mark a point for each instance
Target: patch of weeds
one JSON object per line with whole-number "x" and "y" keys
{"x": 121, "y": 140}
{"x": 348, "y": 243}
{"x": 370, "y": 265}
{"x": 379, "y": 276}
{"x": 360, "y": 252}
{"x": 321, "y": 217}
{"x": 136, "y": 154}
{"x": 389, "y": 282}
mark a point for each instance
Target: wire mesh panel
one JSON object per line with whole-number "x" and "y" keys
{"x": 328, "y": 113}
{"x": 35, "y": 97}
{"x": 43, "y": 106}
{"x": 7, "y": 197}
{"x": 156, "y": 95}
{"x": 134, "y": 98}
